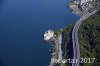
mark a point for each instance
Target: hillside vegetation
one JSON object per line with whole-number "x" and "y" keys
{"x": 89, "y": 39}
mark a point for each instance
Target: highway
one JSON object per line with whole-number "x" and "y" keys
{"x": 76, "y": 49}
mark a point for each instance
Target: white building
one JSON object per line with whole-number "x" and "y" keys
{"x": 48, "y": 35}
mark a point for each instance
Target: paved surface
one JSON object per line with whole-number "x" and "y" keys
{"x": 76, "y": 50}
{"x": 59, "y": 48}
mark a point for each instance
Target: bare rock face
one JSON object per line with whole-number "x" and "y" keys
{"x": 48, "y": 35}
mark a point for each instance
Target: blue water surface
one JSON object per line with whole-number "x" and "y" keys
{"x": 22, "y": 24}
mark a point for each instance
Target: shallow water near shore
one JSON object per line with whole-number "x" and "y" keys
{"x": 22, "y": 25}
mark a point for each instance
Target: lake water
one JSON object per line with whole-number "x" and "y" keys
{"x": 22, "y": 24}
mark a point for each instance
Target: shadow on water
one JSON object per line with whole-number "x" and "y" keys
{"x": 69, "y": 47}
{"x": 1, "y": 62}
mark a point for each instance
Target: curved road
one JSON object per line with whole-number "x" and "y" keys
{"x": 76, "y": 50}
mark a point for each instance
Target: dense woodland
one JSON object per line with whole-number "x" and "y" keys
{"x": 89, "y": 40}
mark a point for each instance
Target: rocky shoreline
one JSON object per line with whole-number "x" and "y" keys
{"x": 55, "y": 41}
